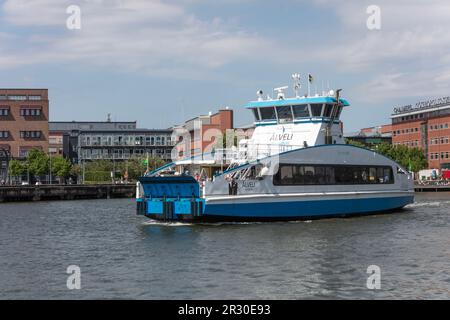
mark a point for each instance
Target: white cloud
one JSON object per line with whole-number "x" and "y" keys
{"x": 165, "y": 38}
{"x": 145, "y": 35}
{"x": 407, "y": 57}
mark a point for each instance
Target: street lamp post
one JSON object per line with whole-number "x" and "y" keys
{"x": 50, "y": 160}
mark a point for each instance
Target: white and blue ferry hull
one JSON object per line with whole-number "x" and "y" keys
{"x": 304, "y": 206}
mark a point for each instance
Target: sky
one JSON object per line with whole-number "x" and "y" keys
{"x": 162, "y": 62}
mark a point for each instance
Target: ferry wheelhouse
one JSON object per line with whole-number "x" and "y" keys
{"x": 295, "y": 166}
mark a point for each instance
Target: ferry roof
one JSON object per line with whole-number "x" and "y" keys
{"x": 293, "y": 101}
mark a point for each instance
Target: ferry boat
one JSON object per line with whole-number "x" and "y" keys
{"x": 295, "y": 166}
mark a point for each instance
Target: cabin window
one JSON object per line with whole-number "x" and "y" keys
{"x": 301, "y": 111}
{"x": 284, "y": 113}
{"x": 316, "y": 109}
{"x": 268, "y": 113}
{"x": 256, "y": 114}
{"x": 338, "y": 114}
{"x": 296, "y": 174}
{"x": 327, "y": 110}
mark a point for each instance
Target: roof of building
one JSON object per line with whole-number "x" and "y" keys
{"x": 137, "y": 130}
{"x": 90, "y": 125}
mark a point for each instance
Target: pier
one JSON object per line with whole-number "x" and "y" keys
{"x": 66, "y": 192}
{"x": 431, "y": 188}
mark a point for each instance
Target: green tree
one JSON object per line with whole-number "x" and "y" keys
{"x": 37, "y": 162}
{"x": 137, "y": 167}
{"x": 17, "y": 168}
{"x": 60, "y": 167}
{"x": 413, "y": 159}
{"x": 76, "y": 170}
{"x": 355, "y": 143}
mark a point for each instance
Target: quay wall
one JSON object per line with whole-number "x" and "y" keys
{"x": 66, "y": 192}
{"x": 101, "y": 191}
{"x": 430, "y": 188}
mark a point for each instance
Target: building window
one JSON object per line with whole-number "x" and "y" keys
{"x": 34, "y": 98}
{"x": 30, "y": 134}
{"x": 17, "y": 98}
{"x": 30, "y": 112}
{"x": 4, "y": 111}
{"x": 4, "y": 134}
{"x": 2, "y": 97}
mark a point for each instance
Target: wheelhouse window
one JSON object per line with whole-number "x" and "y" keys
{"x": 316, "y": 109}
{"x": 284, "y": 114}
{"x": 301, "y": 111}
{"x": 268, "y": 113}
{"x": 256, "y": 114}
{"x": 327, "y": 110}
{"x": 338, "y": 114}
{"x": 296, "y": 174}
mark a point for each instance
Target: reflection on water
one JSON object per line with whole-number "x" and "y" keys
{"x": 122, "y": 255}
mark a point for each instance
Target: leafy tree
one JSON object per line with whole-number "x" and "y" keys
{"x": 355, "y": 143}
{"x": 412, "y": 159}
{"x": 75, "y": 170}
{"x": 17, "y": 168}
{"x": 137, "y": 167}
{"x": 60, "y": 166}
{"x": 37, "y": 162}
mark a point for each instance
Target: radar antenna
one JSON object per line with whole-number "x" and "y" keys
{"x": 280, "y": 92}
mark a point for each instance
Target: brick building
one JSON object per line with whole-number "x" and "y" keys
{"x": 202, "y": 132}
{"x": 427, "y": 126}
{"x": 23, "y": 121}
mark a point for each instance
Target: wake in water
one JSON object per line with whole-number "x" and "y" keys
{"x": 427, "y": 204}
{"x": 166, "y": 224}
{"x": 213, "y": 224}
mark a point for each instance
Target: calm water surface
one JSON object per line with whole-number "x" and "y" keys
{"x": 122, "y": 255}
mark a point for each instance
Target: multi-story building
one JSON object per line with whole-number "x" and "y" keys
{"x": 23, "y": 124}
{"x": 109, "y": 140}
{"x": 23, "y": 120}
{"x": 427, "y": 126}
{"x": 197, "y": 135}
{"x": 123, "y": 145}
{"x": 372, "y": 136}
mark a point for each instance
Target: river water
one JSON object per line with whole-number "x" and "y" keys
{"x": 125, "y": 256}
